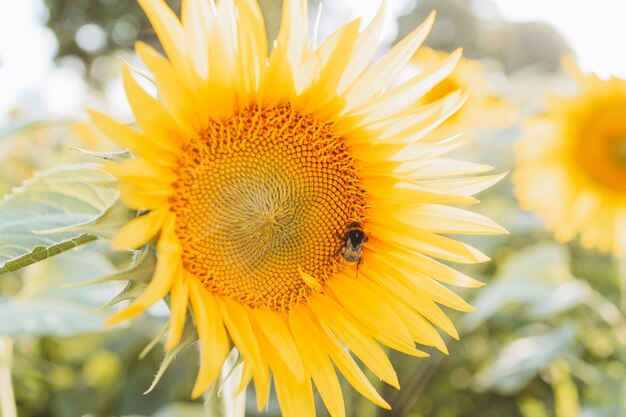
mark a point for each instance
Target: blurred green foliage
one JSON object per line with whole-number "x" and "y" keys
{"x": 92, "y": 30}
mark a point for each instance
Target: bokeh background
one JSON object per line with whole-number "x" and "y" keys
{"x": 549, "y": 334}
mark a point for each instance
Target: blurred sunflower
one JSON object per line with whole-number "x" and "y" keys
{"x": 483, "y": 109}
{"x": 250, "y": 171}
{"x": 572, "y": 163}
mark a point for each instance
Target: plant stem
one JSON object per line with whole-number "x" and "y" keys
{"x": 223, "y": 400}
{"x": 7, "y": 397}
{"x": 621, "y": 270}
{"x": 213, "y": 406}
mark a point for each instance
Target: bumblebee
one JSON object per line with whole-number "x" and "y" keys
{"x": 352, "y": 247}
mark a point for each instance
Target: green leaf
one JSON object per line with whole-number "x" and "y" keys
{"x": 55, "y": 199}
{"x": 155, "y": 341}
{"x": 188, "y": 338}
{"x": 132, "y": 290}
{"x": 137, "y": 276}
{"x": 105, "y": 225}
{"x": 119, "y": 156}
{"x": 523, "y": 359}
{"x": 141, "y": 269}
{"x": 48, "y": 306}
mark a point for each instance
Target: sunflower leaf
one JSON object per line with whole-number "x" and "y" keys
{"x": 130, "y": 292}
{"x": 189, "y": 338}
{"x": 55, "y": 199}
{"x": 119, "y": 156}
{"x": 155, "y": 341}
{"x": 105, "y": 225}
{"x": 140, "y": 269}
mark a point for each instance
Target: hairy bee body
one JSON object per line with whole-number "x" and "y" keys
{"x": 352, "y": 247}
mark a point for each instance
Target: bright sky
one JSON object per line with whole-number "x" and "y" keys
{"x": 594, "y": 28}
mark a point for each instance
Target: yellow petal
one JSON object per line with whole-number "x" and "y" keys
{"x": 427, "y": 243}
{"x": 404, "y": 94}
{"x": 309, "y": 280}
{"x": 293, "y": 34}
{"x": 168, "y": 267}
{"x": 364, "y": 49}
{"x": 381, "y": 74}
{"x": 214, "y": 343}
{"x": 317, "y": 361}
{"x": 407, "y": 131}
{"x": 411, "y": 285}
{"x": 467, "y": 186}
{"x": 168, "y": 29}
{"x": 437, "y": 218}
{"x": 261, "y": 388}
{"x": 383, "y": 188}
{"x": 331, "y": 60}
{"x": 379, "y": 152}
{"x": 240, "y": 330}
{"x": 175, "y": 91}
{"x": 344, "y": 362}
{"x": 334, "y": 318}
{"x": 246, "y": 377}
{"x": 369, "y": 308}
{"x": 128, "y": 137}
{"x": 252, "y": 44}
{"x": 413, "y": 306}
{"x": 223, "y": 59}
{"x": 140, "y": 171}
{"x": 294, "y": 397}
{"x": 144, "y": 198}
{"x": 422, "y": 264}
{"x": 445, "y": 167}
{"x": 287, "y": 55}
{"x": 154, "y": 119}
{"x": 358, "y": 132}
{"x": 140, "y": 230}
{"x": 274, "y": 326}
{"x": 178, "y": 306}
{"x": 197, "y": 17}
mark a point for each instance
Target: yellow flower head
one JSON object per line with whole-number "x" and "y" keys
{"x": 572, "y": 164}
{"x": 296, "y": 208}
{"x": 483, "y": 108}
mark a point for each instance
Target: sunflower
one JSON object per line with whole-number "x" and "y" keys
{"x": 576, "y": 152}
{"x": 483, "y": 109}
{"x": 248, "y": 172}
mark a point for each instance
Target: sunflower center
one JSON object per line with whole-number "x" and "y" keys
{"x": 260, "y": 198}
{"x": 602, "y": 148}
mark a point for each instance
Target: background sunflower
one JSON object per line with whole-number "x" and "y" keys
{"x": 577, "y": 150}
